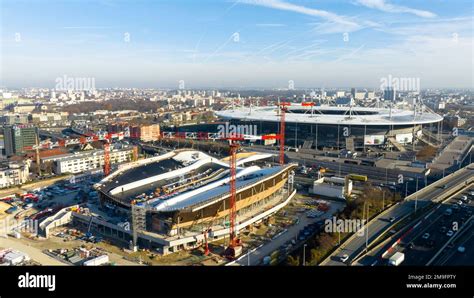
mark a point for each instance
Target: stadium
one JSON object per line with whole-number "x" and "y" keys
{"x": 331, "y": 126}
{"x": 185, "y": 194}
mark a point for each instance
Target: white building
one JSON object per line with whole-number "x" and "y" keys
{"x": 332, "y": 187}
{"x": 14, "y": 257}
{"x": 359, "y": 95}
{"x": 87, "y": 160}
{"x": 13, "y": 173}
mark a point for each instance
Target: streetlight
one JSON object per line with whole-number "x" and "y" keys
{"x": 304, "y": 254}
{"x": 367, "y": 229}
{"x": 406, "y": 189}
{"x": 383, "y": 200}
{"x": 248, "y": 258}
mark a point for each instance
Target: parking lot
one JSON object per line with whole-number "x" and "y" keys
{"x": 309, "y": 220}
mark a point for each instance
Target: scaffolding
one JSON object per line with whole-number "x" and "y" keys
{"x": 138, "y": 222}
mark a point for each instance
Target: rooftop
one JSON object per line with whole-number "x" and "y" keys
{"x": 334, "y": 115}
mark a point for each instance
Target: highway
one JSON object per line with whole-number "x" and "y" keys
{"x": 450, "y": 256}
{"x": 426, "y": 236}
{"x": 356, "y": 244}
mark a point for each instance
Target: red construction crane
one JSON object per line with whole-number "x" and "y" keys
{"x": 282, "y": 105}
{"x": 232, "y": 250}
{"x": 106, "y": 158}
{"x": 233, "y": 204}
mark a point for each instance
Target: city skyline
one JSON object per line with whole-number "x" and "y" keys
{"x": 237, "y": 44}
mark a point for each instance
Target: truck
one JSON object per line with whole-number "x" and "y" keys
{"x": 396, "y": 259}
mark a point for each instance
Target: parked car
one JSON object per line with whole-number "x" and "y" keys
{"x": 430, "y": 243}
{"x": 344, "y": 258}
{"x": 450, "y": 233}
{"x": 426, "y": 236}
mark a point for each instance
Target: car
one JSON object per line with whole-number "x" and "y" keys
{"x": 450, "y": 233}
{"x": 443, "y": 230}
{"x": 444, "y": 186}
{"x": 344, "y": 258}
{"x": 464, "y": 198}
{"x": 461, "y": 249}
{"x": 459, "y": 202}
{"x": 411, "y": 245}
{"x": 426, "y": 236}
{"x": 430, "y": 243}
{"x": 391, "y": 219}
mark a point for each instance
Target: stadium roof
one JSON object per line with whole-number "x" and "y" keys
{"x": 334, "y": 115}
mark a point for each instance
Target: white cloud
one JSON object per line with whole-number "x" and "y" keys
{"x": 387, "y": 7}
{"x": 270, "y": 25}
{"x": 439, "y": 27}
{"x": 282, "y": 5}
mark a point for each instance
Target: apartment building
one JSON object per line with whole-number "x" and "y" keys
{"x": 87, "y": 160}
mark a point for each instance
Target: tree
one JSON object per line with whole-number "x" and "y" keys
{"x": 293, "y": 261}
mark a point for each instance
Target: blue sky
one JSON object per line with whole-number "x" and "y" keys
{"x": 246, "y": 43}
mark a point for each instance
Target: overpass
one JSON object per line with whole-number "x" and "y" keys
{"x": 434, "y": 192}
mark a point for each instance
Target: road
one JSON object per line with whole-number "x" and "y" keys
{"x": 376, "y": 174}
{"x": 34, "y": 253}
{"x": 418, "y": 251}
{"x": 378, "y": 225}
{"x": 452, "y": 257}
{"x": 257, "y": 256}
